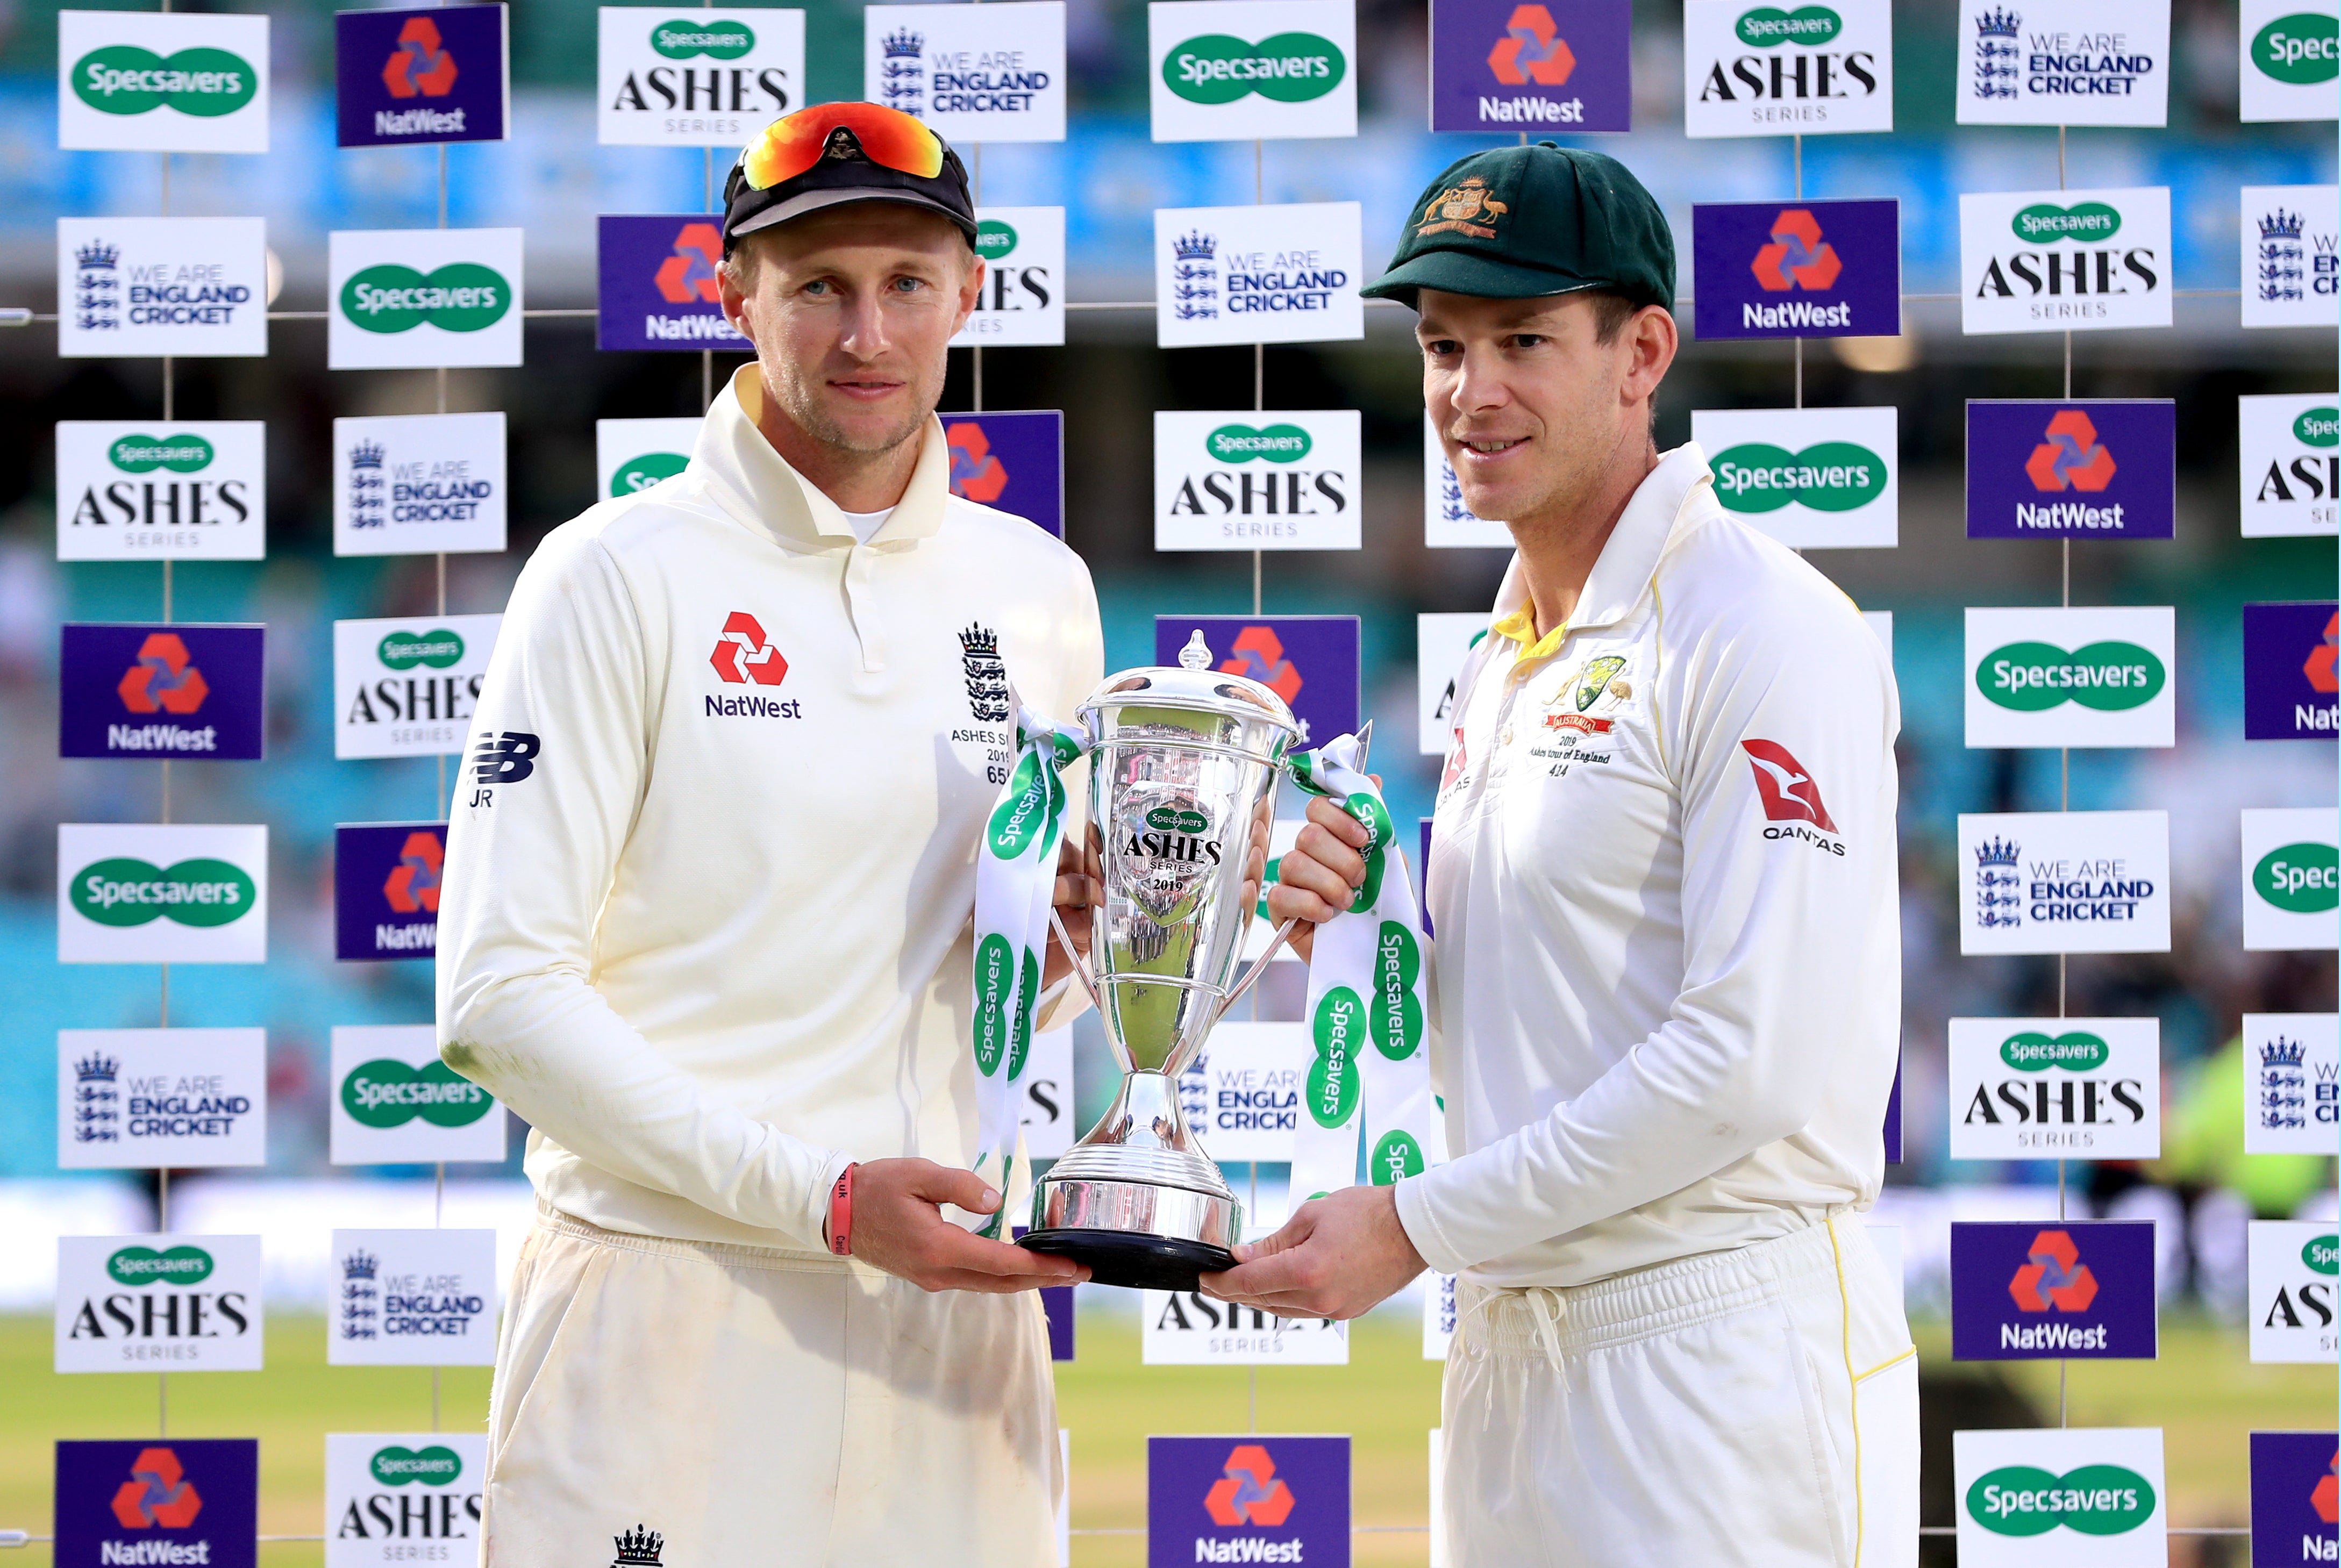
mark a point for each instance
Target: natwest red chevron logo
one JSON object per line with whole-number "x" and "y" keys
{"x": 1786, "y": 789}
{"x": 688, "y": 276}
{"x": 1531, "y": 50}
{"x": 1249, "y": 1494}
{"x": 163, "y": 681}
{"x": 2053, "y": 1276}
{"x": 157, "y": 1492}
{"x": 743, "y": 654}
{"x": 1797, "y": 257}
{"x": 2323, "y": 675}
{"x": 421, "y": 65}
{"x": 976, "y": 471}
{"x": 414, "y": 887}
{"x": 2071, "y": 455}
{"x": 1259, "y": 654}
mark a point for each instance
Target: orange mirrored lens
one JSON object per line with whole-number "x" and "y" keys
{"x": 791, "y": 145}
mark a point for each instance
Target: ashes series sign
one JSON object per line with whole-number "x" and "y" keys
{"x": 2292, "y": 1083}
{"x": 403, "y": 1497}
{"x": 2296, "y": 1499}
{"x": 2292, "y": 878}
{"x": 408, "y": 686}
{"x": 2288, "y": 458}
{"x": 1769, "y": 70}
{"x": 441, "y": 74}
{"x": 157, "y": 1500}
{"x": 630, "y": 455}
{"x": 1503, "y": 66}
{"x": 394, "y": 1102}
{"x": 162, "y": 1099}
{"x": 2101, "y": 468}
{"x": 2292, "y": 1269}
{"x": 403, "y": 299}
{"x": 1448, "y": 520}
{"x": 417, "y": 484}
{"x": 1813, "y": 479}
{"x": 679, "y": 77}
{"x": 1814, "y": 269}
{"x": 2290, "y": 54}
{"x": 413, "y": 1298}
{"x": 2071, "y": 1497}
{"x": 1243, "y": 70}
{"x": 1022, "y": 249}
{"x": 141, "y": 489}
{"x": 1240, "y": 480}
{"x": 2033, "y": 1291}
{"x": 194, "y": 692}
{"x": 1310, "y": 660}
{"x": 158, "y": 1303}
{"x": 155, "y": 893}
{"x": 2063, "y": 63}
{"x": 975, "y": 76}
{"x": 138, "y": 81}
{"x": 2056, "y": 1088}
{"x": 1251, "y": 1499}
{"x": 2064, "y": 261}
{"x": 1257, "y": 275}
{"x": 138, "y": 288}
{"x": 1442, "y": 641}
{"x": 1187, "y": 1328}
{"x": 2071, "y": 677}
{"x": 2290, "y": 675}
{"x": 386, "y": 878}
{"x": 2291, "y": 262}
{"x": 658, "y": 284}
{"x": 2064, "y": 882}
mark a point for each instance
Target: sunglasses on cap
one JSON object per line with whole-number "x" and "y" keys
{"x": 790, "y": 145}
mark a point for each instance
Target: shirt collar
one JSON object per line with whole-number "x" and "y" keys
{"x": 758, "y": 486}
{"x": 1628, "y": 560}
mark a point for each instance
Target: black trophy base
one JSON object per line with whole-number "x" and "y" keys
{"x": 1132, "y": 1260}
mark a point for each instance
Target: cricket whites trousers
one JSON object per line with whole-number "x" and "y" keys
{"x": 1757, "y": 1406}
{"x": 763, "y": 1409}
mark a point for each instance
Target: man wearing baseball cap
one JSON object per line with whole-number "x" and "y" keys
{"x": 704, "y": 927}
{"x": 1666, "y": 982}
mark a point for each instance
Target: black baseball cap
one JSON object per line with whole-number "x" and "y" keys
{"x": 832, "y": 154}
{"x": 1522, "y": 222}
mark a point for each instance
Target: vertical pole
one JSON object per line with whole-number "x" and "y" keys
{"x": 1796, "y": 154}
{"x": 1259, "y": 372}
{"x": 2064, "y": 795}
{"x": 163, "y": 1006}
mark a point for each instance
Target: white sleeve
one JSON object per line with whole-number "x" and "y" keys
{"x": 1771, "y": 931}
{"x": 560, "y": 757}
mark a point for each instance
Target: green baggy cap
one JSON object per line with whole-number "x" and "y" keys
{"x": 1521, "y": 222}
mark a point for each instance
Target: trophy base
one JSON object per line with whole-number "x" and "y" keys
{"x": 1132, "y": 1260}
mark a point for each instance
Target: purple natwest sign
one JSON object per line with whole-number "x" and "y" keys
{"x": 1246, "y": 1500}
{"x": 158, "y": 1500}
{"x": 386, "y": 889}
{"x": 2045, "y": 1290}
{"x": 439, "y": 74}
{"x": 2296, "y": 1500}
{"x": 1015, "y": 461}
{"x": 658, "y": 289}
{"x": 2290, "y": 682}
{"x": 1797, "y": 268}
{"x": 2091, "y": 468}
{"x": 1310, "y": 660}
{"x": 1554, "y": 64}
{"x": 196, "y": 693}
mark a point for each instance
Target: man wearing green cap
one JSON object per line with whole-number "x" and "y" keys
{"x": 1667, "y": 983}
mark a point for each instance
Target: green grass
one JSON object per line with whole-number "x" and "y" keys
{"x": 2204, "y": 1393}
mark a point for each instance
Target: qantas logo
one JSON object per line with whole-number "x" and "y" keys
{"x": 1789, "y": 796}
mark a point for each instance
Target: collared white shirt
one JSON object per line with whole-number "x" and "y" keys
{"x": 1662, "y": 876}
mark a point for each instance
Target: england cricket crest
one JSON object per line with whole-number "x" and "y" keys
{"x": 987, "y": 697}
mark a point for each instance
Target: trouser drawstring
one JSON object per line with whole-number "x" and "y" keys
{"x": 1546, "y": 1307}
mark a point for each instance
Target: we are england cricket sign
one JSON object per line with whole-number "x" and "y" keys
{"x": 393, "y": 1102}
{"x": 162, "y": 1099}
{"x": 144, "y": 82}
{"x": 194, "y": 692}
{"x": 413, "y": 1298}
{"x": 993, "y": 74}
{"x": 1022, "y": 249}
{"x": 394, "y": 1498}
{"x": 404, "y": 299}
{"x": 2291, "y": 260}
{"x": 2064, "y": 261}
{"x": 168, "y": 1303}
{"x": 152, "y": 893}
{"x": 659, "y": 289}
{"x": 1257, "y": 275}
{"x": 2056, "y": 1088}
{"x": 2064, "y": 882}
{"x": 2097, "y": 468}
{"x": 141, "y": 489}
{"x": 1243, "y": 70}
{"x": 680, "y": 76}
{"x": 1243, "y": 1094}
{"x": 1504, "y": 65}
{"x": 2292, "y": 1083}
{"x": 630, "y": 455}
{"x": 2063, "y": 63}
{"x": 2087, "y": 676}
{"x": 1813, "y": 269}
{"x": 415, "y": 484}
{"x": 145, "y": 287}
{"x": 408, "y": 686}
{"x": 2290, "y": 56}
{"x": 2288, "y": 461}
{"x": 2071, "y": 1497}
{"x": 1242, "y": 480}
{"x": 1778, "y": 70}
{"x": 1813, "y": 479}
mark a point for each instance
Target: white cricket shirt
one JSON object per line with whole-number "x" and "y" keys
{"x": 710, "y": 868}
{"x": 1662, "y": 876}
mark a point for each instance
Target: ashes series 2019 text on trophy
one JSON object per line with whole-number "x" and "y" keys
{"x": 1181, "y": 761}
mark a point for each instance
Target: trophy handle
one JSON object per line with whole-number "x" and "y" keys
{"x": 1080, "y": 969}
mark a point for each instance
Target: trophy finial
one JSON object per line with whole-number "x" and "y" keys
{"x": 1197, "y": 654}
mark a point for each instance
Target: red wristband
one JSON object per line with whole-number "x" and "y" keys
{"x": 840, "y": 1212}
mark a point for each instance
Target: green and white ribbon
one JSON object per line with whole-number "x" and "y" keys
{"x": 1367, "y": 1017}
{"x": 1015, "y": 883}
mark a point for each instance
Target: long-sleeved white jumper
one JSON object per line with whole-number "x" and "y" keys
{"x": 709, "y": 871}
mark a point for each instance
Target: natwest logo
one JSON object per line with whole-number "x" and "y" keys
{"x": 977, "y": 473}
{"x": 157, "y": 1493}
{"x": 1259, "y": 655}
{"x": 1797, "y": 257}
{"x": 163, "y": 681}
{"x": 1531, "y": 50}
{"x": 414, "y": 887}
{"x": 2053, "y": 1276}
{"x": 1786, "y": 789}
{"x": 742, "y": 653}
{"x": 2070, "y": 455}
{"x": 422, "y": 65}
{"x": 1250, "y": 1493}
{"x": 688, "y": 276}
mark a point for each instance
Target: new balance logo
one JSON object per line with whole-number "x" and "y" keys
{"x": 505, "y": 758}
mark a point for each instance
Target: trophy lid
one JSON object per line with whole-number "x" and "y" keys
{"x": 1193, "y": 686}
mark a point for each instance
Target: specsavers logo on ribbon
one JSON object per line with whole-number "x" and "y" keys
{"x": 2069, "y": 1498}
{"x": 1244, "y": 481}
{"x": 147, "y": 1099}
{"x": 140, "y": 491}
{"x": 404, "y": 1497}
{"x": 2033, "y": 1088}
{"x": 2064, "y": 260}
{"x": 168, "y": 83}
{"x": 1777, "y": 71}
{"x": 423, "y": 298}
{"x": 670, "y": 77}
{"x": 143, "y": 893}
{"x": 1223, "y": 70}
{"x": 1813, "y": 479}
{"x": 411, "y": 484}
{"x": 2288, "y": 464}
{"x": 2063, "y": 63}
{"x": 2290, "y": 54}
{"x": 2293, "y": 1268}
{"x": 1258, "y": 275}
{"x": 2292, "y": 878}
{"x": 151, "y": 1304}
{"x": 2079, "y": 676}
{"x": 394, "y": 1102}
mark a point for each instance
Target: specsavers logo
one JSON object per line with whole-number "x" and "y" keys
{"x": 158, "y": 1494}
{"x": 1829, "y": 476}
{"x": 387, "y": 1093}
{"x": 1768, "y": 26}
{"x": 123, "y": 891}
{"x": 459, "y": 297}
{"x": 2077, "y": 1051}
{"x": 718, "y": 40}
{"x": 2302, "y": 49}
{"x": 639, "y": 473}
{"x": 2044, "y": 223}
{"x": 2093, "y": 1500}
{"x": 1241, "y": 444}
{"x": 1288, "y": 68}
{"x": 440, "y": 649}
{"x": 2033, "y": 676}
{"x": 123, "y": 79}
{"x": 1336, "y": 1031}
{"x": 2299, "y": 878}
{"x": 139, "y": 1266}
{"x": 145, "y": 453}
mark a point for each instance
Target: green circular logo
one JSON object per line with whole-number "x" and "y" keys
{"x": 1331, "y": 1090}
{"x": 144, "y": 454}
{"x": 1397, "y": 1156}
{"x": 433, "y": 1467}
{"x": 123, "y": 891}
{"x": 1832, "y": 476}
{"x": 995, "y": 1002}
{"x": 2032, "y": 1052}
{"x": 724, "y": 40}
{"x": 1026, "y": 808}
{"x": 2319, "y": 427}
{"x": 1288, "y": 68}
{"x": 2094, "y": 1499}
{"x": 640, "y": 473}
{"x": 1811, "y": 26}
{"x": 145, "y": 1265}
{"x": 994, "y": 239}
{"x": 2034, "y": 677}
{"x": 2323, "y": 1254}
{"x": 123, "y": 79}
{"x": 440, "y": 649}
{"x": 2301, "y": 49}
{"x": 387, "y": 1093}
{"x": 459, "y": 297}
{"x": 1396, "y": 1011}
{"x": 2044, "y": 223}
{"x": 1241, "y": 444}
{"x": 2302, "y": 879}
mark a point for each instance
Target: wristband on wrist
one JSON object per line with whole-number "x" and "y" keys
{"x": 840, "y": 1212}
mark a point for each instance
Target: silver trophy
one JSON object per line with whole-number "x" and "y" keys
{"x": 1183, "y": 762}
